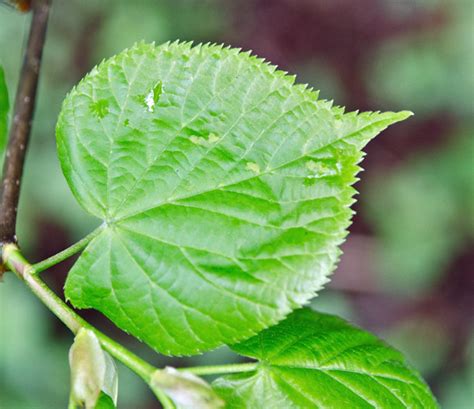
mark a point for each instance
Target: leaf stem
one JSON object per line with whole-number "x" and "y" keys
{"x": 66, "y": 253}
{"x": 14, "y": 260}
{"x": 220, "y": 369}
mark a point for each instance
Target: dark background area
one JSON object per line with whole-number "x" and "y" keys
{"x": 407, "y": 269}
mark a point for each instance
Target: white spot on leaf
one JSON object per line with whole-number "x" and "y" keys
{"x": 150, "y": 101}
{"x": 153, "y": 96}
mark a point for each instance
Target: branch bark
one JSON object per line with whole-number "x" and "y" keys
{"x": 21, "y": 125}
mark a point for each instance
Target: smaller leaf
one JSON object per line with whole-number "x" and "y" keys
{"x": 93, "y": 372}
{"x": 4, "y": 108}
{"x": 186, "y": 390}
{"x": 314, "y": 360}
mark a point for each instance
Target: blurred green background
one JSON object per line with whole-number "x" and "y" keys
{"x": 407, "y": 269}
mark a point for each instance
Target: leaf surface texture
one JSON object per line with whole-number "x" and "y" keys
{"x": 314, "y": 360}
{"x": 225, "y": 191}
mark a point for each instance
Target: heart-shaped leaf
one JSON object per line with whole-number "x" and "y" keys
{"x": 224, "y": 190}
{"x": 314, "y": 360}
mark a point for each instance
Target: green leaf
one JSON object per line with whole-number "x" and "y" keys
{"x": 4, "y": 108}
{"x": 93, "y": 372}
{"x": 224, "y": 190}
{"x": 187, "y": 391}
{"x": 105, "y": 402}
{"x": 314, "y": 360}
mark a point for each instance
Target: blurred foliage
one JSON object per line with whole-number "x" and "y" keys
{"x": 159, "y": 21}
{"x": 458, "y": 391}
{"x": 331, "y": 302}
{"x": 422, "y": 210}
{"x": 431, "y": 71}
{"x": 423, "y": 213}
{"x": 29, "y": 375}
{"x": 316, "y": 72}
{"x": 4, "y": 114}
{"x": 411, "y": 335}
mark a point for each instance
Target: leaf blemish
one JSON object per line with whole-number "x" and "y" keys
{"x": 319, "y": 169}
{"x": 199, "y": 140}
{"x": 153, "y": 96}
{"x": 212, "y": 138}
{"x": 100, "y": 108}
{"x": 150, "y": 102}
{"x": 253, "y": 167}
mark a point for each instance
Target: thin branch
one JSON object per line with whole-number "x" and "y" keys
{"x": 21, "y": 125}
{"x": 14, "y": 260}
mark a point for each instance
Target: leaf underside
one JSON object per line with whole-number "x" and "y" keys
{"x": 314, "y": 360}
{"x": 224, "y": 190}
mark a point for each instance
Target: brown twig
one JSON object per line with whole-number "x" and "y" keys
{"x": 21, "y": 125}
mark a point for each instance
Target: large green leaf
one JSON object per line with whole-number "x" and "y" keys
{"x": 4, "y": 108}
{"x": 314, "y": 360}
{"x": 224, "y": 190}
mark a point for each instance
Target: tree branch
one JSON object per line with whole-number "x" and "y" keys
{"x": 21, "y": 125}
{"x": 15, "y": 261}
